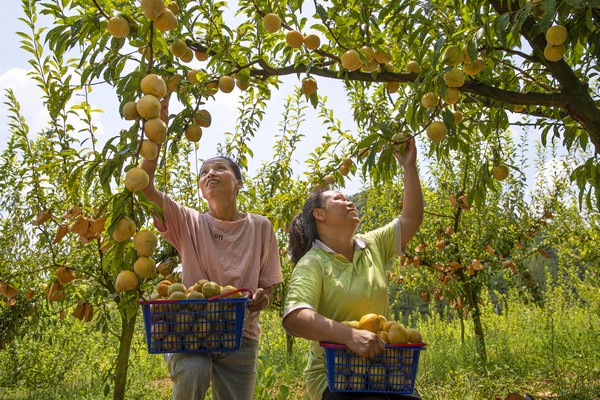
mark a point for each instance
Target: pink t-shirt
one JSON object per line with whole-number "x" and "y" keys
{"x": 241, "y": 253}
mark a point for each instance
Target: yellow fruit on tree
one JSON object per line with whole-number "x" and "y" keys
{"x": 454, "y": 78}
{"x": 242, "y": 84}
{"x": 145, "y": 242}
{"x": 130, "y": 112}
{"x": 173, "y": 6}
{"x": 192, "y": 75}
{"x": 124, "y": 229}
{"x": 457, "y": 117}
{"x": 145, "y": 267}
{"x": 211, "y": 88}
{"x": 154, "y": 85}
{"x": 436, "y": 131}
{"x": 466, "y": 57}
{"x": 136, "y": 179}
{"x": 201, "y": 55}
{"x": 556, "y": 35}
{"x": 294, "y": 39}
{"x": 271, "y": 22}
{"x": 148, "y": 107}
{"x": 554, "y": 53}
{"x": 392, "y": 87}
{"x": 500, "y": 172}
{"x": 152, "y": 8}
{"x": 369, "y": 322}
{"x": 368, "y": 53}
{"x": 188, "y": 56}
{"x": 382, "y": 56}
{"x": 193, "y": 133}
{"x": 451, "y": 95}
{"x": 155, "y": 129}
{"x": 453, "y": 56}
{"x": 475, "y": 67}
{"x": 118, "y": 27}
{"x": 351, "y": 60}
{"x": 173, "y": 82}
{"x": 166, "y": 21}
{"x": 328, "y": 180}
{"x": 414, "y": 67}
{"x": 429, "y": 100}
{"x": 344, "y": 170}
{"x": 309, "y": 86}
{"x": 371, "y": 66}
{"x": 148, "y": 149}
{"x": 126, "y": 281}
{"x": 178, "y": 47}
{"x": 202, "y": 118}
{"x": 146, "y": 51}
{"x": 312, "y": 42}
{"x": 226, "y": 84}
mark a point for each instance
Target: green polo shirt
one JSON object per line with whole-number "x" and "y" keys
{"x": 330, "y": 285}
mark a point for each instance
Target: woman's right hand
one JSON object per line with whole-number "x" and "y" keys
{"x": 365, "y": 343}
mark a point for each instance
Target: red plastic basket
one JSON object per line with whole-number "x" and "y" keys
{"x": 393, "y": 371}
{"x": 193, "y": 326}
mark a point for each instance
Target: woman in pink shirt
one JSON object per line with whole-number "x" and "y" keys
{"x": 226, "y": 246}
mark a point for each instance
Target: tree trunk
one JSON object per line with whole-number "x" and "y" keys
{"x": 472, "y": 295}
{"x": 290, "y": 344}
{"x": 479, "y": 336}
{"x": 127, "y": 330}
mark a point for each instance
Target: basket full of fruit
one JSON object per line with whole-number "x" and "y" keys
{"x": 392, "y": 371}
{"x": 203, "y": 318}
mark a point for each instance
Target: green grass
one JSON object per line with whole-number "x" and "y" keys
{"x": 551, "y": 352}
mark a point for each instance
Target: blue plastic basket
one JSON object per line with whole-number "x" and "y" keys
{"x": 194, "y": 326}
{"x": 393, "y": 371}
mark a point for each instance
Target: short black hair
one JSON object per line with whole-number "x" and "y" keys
{"x": 237, "y": 171}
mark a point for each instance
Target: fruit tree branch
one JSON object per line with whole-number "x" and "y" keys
{"x": 578, "y": 101}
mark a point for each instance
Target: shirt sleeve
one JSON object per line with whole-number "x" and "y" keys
{"x": 387, "y": 239}
{"x": 304, "y": 290}
{"x": 173, "y": 221}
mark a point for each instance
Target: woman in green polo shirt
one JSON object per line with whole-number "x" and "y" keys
{"x": 340, "y": 276}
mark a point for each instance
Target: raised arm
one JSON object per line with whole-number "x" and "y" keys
{"x": 412, "y": 208}
{"x": 153, "y": 194}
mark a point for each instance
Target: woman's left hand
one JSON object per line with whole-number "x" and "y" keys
{"x": 260, "y": 300}
{"x": 408, "y": 157}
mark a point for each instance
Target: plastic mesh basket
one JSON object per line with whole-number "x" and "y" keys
{"x": 188, "y": 326}
{"x": 393, "y": 371}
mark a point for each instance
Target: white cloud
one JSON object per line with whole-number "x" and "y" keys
{"x": 29, "y": 97}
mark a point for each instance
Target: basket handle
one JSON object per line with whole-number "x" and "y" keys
{"x": 219, "y": 296}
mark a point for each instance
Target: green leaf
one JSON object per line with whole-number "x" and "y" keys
{"x": 500, "y": 25}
